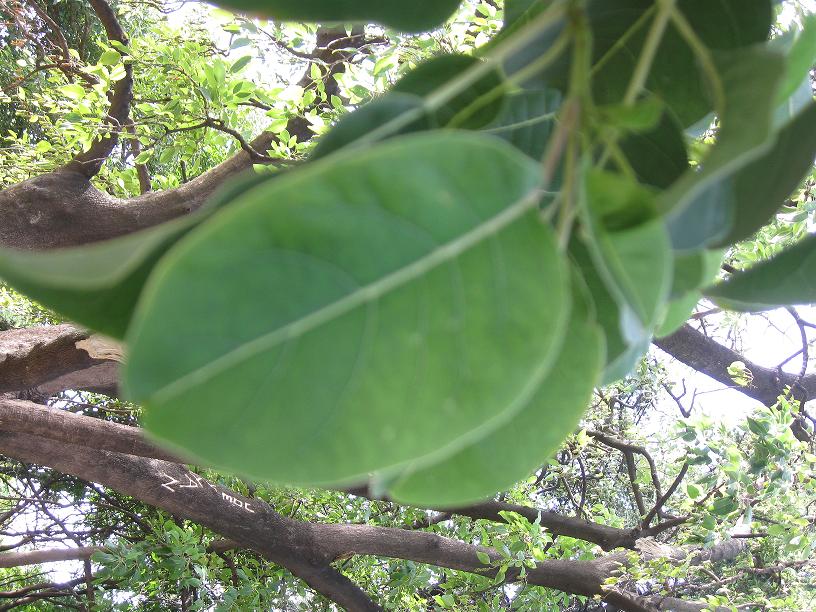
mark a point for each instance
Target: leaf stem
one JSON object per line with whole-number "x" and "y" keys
{"x": 647, "y": 55}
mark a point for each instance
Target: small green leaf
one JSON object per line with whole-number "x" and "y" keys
{"x": 724, "y": 506}
{"x": 74, "y": 91}
{"x": 240, "y": 63}
{"x": 110, "y": 58}
{"x": 351, "y": 292}
{"x": 630, "y": 247}
{"x": 484, "y": 558}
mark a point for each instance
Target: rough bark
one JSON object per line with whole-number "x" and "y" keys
{"x": 25, "y": 417}
{"x": 33, "y": 356}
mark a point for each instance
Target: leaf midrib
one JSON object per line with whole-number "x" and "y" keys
{"x": 349, "y": 302}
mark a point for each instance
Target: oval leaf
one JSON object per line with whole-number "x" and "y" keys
{"x": 322, "y": 327}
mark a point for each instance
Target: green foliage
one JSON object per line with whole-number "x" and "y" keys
{"x": 398, "y": 304}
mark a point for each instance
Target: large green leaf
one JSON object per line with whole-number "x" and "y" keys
{"x": 99, "y": 284}
{"x": 621, "y": 355}
{"x": 356, "y": 314}
{"x": 800, "y": 48}
{"x": 511, "y": 452}
{"x": 407, "y": 16}
{"x": 701, "y": 205}
{"x": 786, "y": 279}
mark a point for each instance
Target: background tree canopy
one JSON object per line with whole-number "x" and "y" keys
{"x": 422, "y": 305}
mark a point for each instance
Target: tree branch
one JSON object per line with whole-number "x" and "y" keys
{"x": 48, "y": 555}
{"x": 90, "y": 162}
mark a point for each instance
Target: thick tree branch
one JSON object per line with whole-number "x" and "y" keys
{"x": 63, "y": 209}
{"x": 90, "y": 162}
{"x": 175, "y": 489}
{"x": 711, "y": 358}
{"x": 305, "y": 549}
{"x": 28, "y": 418}
{"x": 50, "y": 359}
{"x": 48, "y": 555}
{"x": 33, "y": 356}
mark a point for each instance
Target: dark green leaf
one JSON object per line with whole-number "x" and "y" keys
{"x": 619, "y": 30}
{"x": 472, "y": 108}
{"x": 724, "y": 506}
{"x": 389, "y": 110}
{"x": 759, "y": 190}
{"x": 701, "y": 205}
{"x": 326, "y": 324}
{"x": 406, "y": 16}
{"x": 527, "y": 119}
{"x": 240, "y": 63}
{"x": 657, "y": 155}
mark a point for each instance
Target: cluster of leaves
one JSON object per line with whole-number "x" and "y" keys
{"x": 433, "y": 306}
